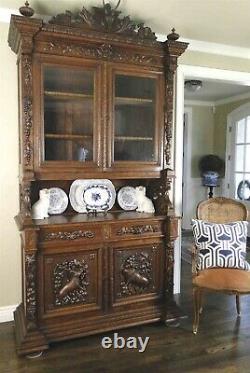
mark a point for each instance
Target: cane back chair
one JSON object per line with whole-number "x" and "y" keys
{"x": 226, "y": 280}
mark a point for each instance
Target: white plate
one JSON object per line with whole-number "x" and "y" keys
{"x": 58, "y": 201}
{"x": 76, "y": 196}
{"x": 92, "y": 195}
{"x": 126, "y": 198}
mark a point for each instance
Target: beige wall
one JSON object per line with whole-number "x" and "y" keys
{"x": 202, "y": 136}
{"x": 220, "y": 119}
{"x": 214, "y": 61}
{"x": 10, "y": 262}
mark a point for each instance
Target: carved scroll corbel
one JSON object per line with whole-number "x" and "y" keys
{"x": 25, "y": 199}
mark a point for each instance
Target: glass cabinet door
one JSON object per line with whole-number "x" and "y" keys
{"x": 68, "y": 113}
{"x": 135, "y": 118}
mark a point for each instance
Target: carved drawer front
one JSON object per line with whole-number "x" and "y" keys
{"x": 64, "y": 235}
{"x": 137, "y": 230}
{"x": 138, "y": 272}
{"x": 72, "y": 281}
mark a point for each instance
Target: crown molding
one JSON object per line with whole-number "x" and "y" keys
{"x": 213, "y": 48}
{"x": 199, "y": 103}
{"x": 235, "y": 98}
{"x": 222, "y": 101}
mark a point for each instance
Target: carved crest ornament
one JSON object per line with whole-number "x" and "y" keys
{"x": 105, "y": 19}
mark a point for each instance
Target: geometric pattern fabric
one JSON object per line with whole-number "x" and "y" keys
{"x": 220, "y": 245}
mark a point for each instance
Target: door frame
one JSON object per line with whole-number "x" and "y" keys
{"x": 196, "y": 72}
{"x": 187, "y": 146}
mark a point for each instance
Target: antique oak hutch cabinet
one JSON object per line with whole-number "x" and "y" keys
{"x": 95, "y": 102}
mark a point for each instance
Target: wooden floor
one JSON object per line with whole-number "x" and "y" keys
{"x": 222, "y": 344}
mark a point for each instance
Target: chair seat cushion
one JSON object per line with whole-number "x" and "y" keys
{"x": 223, "y": 279}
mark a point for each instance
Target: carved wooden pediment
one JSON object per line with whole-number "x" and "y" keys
{"x": 104, "y": 19}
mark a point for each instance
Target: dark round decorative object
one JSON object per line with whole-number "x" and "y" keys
{"x": 243, "y": 190}
{"x": 173, "y": 36}
{"x": 26, "y": 11}
{"x": 211, "y": 162}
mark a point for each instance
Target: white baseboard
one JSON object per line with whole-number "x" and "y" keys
{"x": 6, "y": 313}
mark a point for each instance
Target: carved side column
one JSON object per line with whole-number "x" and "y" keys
{"x": 28, "y": 336}
{"x": 159, "y": 189}
{"x": 173, "y": 50}
{"x": 29, "y": 239}
{"x": 172, "y": 311}
{"x": 21, "y": 40}
{"x": 26, "y": 106}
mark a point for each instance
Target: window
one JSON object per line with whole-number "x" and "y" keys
{"x": 238, "y": 160}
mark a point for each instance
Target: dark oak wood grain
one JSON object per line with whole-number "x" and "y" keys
{"x": 103, "y": 83}
{"x": 221, "y": 346}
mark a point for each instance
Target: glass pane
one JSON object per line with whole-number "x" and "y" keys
{"x": 239, "y": 158}
{"x": 68, "y": 114}
{"x": 134, "y": 118}
{"x": 248, "y": 130}
{"x": 240, "y": 131}
{"x": 238, "y": 179}
{"x": 247, "y": 159}
{"x": 243, "y": 186}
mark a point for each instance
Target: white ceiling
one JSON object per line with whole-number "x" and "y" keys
{"x": 214, "y": 91}
{"x": 218, "y": 21}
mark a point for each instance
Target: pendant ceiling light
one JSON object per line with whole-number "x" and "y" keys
{"x": 193, "y": 85}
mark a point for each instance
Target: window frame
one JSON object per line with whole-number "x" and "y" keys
{"x": 242, "y": 112}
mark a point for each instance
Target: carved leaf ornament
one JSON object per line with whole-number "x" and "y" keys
{"x": 105, "y": 19}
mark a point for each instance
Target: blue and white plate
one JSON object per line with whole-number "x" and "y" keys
{"x": 58, "y": 201}
{"x": 97, "y": 197}
{"x": 126, "y": 198}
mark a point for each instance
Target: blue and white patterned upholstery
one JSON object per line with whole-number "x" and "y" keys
{"x": 220, "y": 245}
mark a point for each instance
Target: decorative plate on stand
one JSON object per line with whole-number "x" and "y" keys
{"x": 58, "y": 201}
{"x": 96, "y": 195}
{"x": 126, "y": 198}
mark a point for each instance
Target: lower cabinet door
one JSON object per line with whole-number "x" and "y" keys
{"x": 138, "y": 272}
{"x": 71, "y": 282}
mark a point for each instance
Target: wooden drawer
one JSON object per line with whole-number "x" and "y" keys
{"x": 136, "y": 230}
{"x": 65, "y": 234}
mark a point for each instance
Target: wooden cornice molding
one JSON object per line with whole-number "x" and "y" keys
{"x": 174, "y": 49}
{"x": 21, "y": 33}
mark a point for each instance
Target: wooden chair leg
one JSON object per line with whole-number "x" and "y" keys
{"x": 238, "y": 304}
{"x": 197, "y": 294}
{"x": 201, "y": 303}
